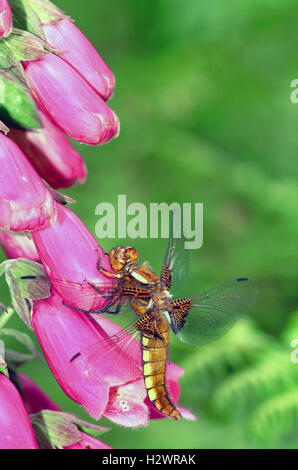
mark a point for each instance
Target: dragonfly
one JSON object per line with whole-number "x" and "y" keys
{"x": 129, "y": 280}
{"x": 195, "y": 320}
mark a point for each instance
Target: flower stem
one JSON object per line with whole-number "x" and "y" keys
{"x": 6, "y": 316}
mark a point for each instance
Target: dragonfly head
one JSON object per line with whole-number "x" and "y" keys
{"x": 121, "y": 255}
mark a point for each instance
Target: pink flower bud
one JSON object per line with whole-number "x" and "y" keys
{"x": 62, "y": 333}
{"x": 18, "y": 246}
{"x": 15, "y": 428}
{"x": 73, "y": 105}
{"x": 5, "y": 18}
{"x": 81, "y": 55}
{"x": 68, "y": 251}
{"x": 25, "y": 202}
{"x": 51, "y": 154}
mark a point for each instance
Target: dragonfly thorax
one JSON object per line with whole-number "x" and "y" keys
{"x": 161, "y": 302}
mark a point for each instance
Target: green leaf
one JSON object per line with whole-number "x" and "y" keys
{"x": 17, "y": 359}
{"x": 22, "y": 306}
{"x": 17, "y": 107}
{"x": 10, "y": 64}
{"x": 23, "y": 338}
{"x": 30, "y": 278}
{"x": 58, "y": 429}
{"x": 55, "y": 429}
{"x": 26, "y": 18}
{"x": 47, "y": 11}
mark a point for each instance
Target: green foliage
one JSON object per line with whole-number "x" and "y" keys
{"x": 276, "y": 417}
{"x": 252, "y": 379}
{"x": 241, "y": 345}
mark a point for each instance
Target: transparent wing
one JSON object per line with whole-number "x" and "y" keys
{"x": 117, "y": 357}
{"x": 202, "y": 319}
{"x": 33, "y": 287}
{"x": 176, "y": 261}
{"x": 90, "y": 296}
{"x": 86, "y": 295}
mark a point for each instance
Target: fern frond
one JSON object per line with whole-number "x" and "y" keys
{"x": 263, "y": 380}
{"x": 276, "y": 418}
{"x": 291, "y": 330}
{"x": 241, "y": 345}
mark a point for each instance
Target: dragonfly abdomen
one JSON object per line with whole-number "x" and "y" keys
{"x": 154, "y": 356}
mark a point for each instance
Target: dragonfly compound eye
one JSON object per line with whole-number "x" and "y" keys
{"x": 131, "y": 254}
{"x": 117, "y": 258}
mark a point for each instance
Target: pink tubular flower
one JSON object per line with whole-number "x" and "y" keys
{"x": 68, "y": 251}
{"x": 5, "y": 18}
{"x": 25, "y": 202}
{"x": 94, "y": 382}
{"x": 36, "y": 400}
{"x": 81, "y": 55}
{"x": 51, "y": 154}
{"x": 18, "y": 246}
{"x": 72, "y": 104}
{"x": 15, "y": 428}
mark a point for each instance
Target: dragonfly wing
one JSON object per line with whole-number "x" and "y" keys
{"x": 176, "y": 261}
{"x": 115, "y": 358}
{"x": 86, "y": 295}
{"x": 199, "y": 320}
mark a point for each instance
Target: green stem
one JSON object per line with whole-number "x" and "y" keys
{"x": 6, "y": 316}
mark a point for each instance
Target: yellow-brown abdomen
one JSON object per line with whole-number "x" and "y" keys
{"x": 154, "y": 355}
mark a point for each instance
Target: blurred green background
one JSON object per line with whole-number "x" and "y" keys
{"x": 203, "y": 97}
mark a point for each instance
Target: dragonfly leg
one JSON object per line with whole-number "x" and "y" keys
{"x": 117, "y": 309}
{"x": 81, "y": 309}
{"x": 106, "y": 297}
{"x": 104, "y": 271}
{"x": 106, "y": 308}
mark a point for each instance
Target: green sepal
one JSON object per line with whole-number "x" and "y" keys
{"x": 10, "y": 64}
{"x": 16, "y": 359}
{"x": 28, "y": 46}
{"x": 27, "y": 281}
{"x": 47, "y": 11}
{"x": 30, "y": 277}
{"x": 17, "y": 107}
{"x": 56, "y": 429}
{"x": 25, "y": 17}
